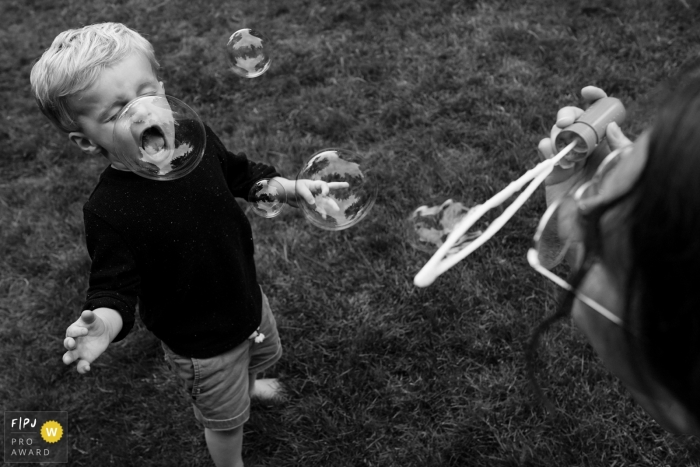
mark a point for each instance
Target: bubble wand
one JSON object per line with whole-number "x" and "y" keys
{"x": 581, "y": 138}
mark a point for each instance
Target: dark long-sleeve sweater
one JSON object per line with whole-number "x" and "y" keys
{"x": 183, "y": 247}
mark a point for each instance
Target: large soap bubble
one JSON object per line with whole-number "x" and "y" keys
{"x": 267, "y": 197}
{"x": 159, "y": 137}
{"x": 247, "y": 54}
{"x": 429, "y": 226}
{"x": 341, "y": 207}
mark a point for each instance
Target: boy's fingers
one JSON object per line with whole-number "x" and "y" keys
{"x": 83, "y": 366}
{"x": 324, "y": 188}
{"x": 88, "y": 316}
{"x": 69, "y": 343}
{"x": 338, "y": 185}
{"x": 76, "y": 331}
{"x": 69, "y": 357}
{"x": 304, "y": 192}
{"x": 332, "y": 204}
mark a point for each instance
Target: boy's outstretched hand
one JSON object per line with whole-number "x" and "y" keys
{"x": 305, "y": 189}
{"x": 88, "y": 337}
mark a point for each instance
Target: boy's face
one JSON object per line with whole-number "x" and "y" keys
{"x": 97, "y": 107}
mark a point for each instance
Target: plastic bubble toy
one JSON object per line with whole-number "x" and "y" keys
{"x": 428, "y": 227}
{"x": 267, "y": 197}
{"x": 341, "y": 207}
{"x": 247, "y": 53}
{"x": 580, "y": 139}
{"x": 159, "y": 137}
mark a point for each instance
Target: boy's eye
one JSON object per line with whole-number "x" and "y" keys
{"x": 114, "y": 117}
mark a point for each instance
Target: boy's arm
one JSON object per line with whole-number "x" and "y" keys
{"x": 114, "y": 278}
{"x": 109, "y": 309}
{"x": 88, "y": 337}
{"x": 240, "y": 172}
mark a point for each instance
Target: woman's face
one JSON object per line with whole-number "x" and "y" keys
{"x": 604, "y": 283}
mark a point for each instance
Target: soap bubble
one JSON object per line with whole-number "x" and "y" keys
{"x": 247, "y": 53}
{"x": 159, "y": 137}
{"x": 428, "y": 227}
{"x": 267, "y": 197}
{"x": 341, "y": 207}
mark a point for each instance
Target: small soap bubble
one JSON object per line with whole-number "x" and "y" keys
{"x": 247, "y": 53}
{"x": 429, "y": 226}
{"x": 353, "y": 190}
{"x": 267, "y": 197}
{"x": 159, "y": 137}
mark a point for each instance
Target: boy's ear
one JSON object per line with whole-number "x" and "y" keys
{"x": 85, "y": 144}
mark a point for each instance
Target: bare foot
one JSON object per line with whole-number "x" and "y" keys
{"x": 268, "y": 390}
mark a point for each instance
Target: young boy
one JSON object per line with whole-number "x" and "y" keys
{"x": 183, "y": 248}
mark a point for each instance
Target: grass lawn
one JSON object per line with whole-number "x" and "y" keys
{"x": 451, "y": 97}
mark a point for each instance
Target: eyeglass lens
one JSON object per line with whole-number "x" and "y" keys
{"x": 560, "y": 220}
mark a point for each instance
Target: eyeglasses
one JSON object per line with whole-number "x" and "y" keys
{"x": 564, "y": 231}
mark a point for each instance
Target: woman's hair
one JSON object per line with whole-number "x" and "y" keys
{"x": 663, "y": 225}
{"x": 74, "y": 61}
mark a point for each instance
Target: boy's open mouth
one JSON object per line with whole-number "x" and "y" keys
{"x": 152, "y": 140}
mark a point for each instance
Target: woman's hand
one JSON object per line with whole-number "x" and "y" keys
{"x": 567, "y": 173}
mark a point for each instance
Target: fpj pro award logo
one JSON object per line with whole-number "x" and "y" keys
{"x": 35, "y": 437}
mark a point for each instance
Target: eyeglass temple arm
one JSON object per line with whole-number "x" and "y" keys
{"x": 534, "y": 262}
{"x": 438, "y": 264}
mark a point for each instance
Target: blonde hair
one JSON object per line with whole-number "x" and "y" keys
{"x": 74, "y": 61}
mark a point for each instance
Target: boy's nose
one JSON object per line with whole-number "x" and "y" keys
{"x": 140, "y": 112}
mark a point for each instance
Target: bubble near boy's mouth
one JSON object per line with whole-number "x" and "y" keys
{"x": 158, "y": 137}
{"x": 152, "y": 140}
